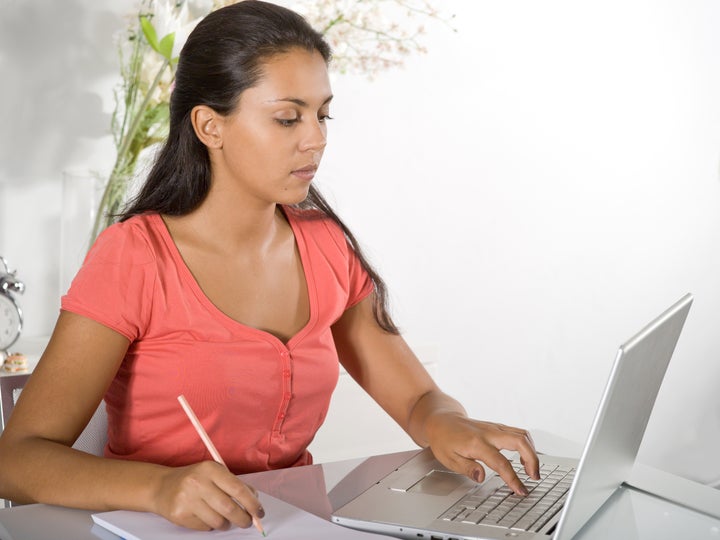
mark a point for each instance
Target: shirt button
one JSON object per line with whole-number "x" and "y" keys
{"x": 284, "y": 354}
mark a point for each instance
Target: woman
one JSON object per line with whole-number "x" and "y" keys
{"x": 231, "y": 281}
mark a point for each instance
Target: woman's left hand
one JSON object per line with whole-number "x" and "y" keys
{"x": 459, "y": 442}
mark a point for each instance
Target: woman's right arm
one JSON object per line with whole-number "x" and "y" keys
{"x": 38, "y": 463}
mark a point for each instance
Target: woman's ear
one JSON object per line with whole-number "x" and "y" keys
{"x": 207, "y": 125}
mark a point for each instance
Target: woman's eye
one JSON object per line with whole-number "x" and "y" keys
{"x": 324, "y": 117}
{"x": 286, "y": 122}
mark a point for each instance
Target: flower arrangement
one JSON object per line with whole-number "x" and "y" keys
{"x": 365, "y": 35}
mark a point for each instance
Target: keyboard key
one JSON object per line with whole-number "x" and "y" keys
{"x": 526, "y": 522}
{"x": 451, "y": 514}
{"x": 547, "y": 516}
{"x": 475, "y": 517}
{"x": 503, "y": 508}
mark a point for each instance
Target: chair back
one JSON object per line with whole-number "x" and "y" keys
{"x": 10, "y": 388}
{"x": 93, "y": 438}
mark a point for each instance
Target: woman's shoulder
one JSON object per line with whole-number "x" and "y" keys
{"x": 316, "y": 224}
{"x": 136, "y": 225}
{"x": 136, "y": 237}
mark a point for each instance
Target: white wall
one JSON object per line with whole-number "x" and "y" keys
{"x": 58, "y": 67}
{"x": 534, "y": 189}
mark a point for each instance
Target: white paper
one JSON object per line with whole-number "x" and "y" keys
{"x": 281, "y": 521}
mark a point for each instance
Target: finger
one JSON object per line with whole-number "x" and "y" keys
{"x": 529, "y": 457}
{"x": 246, "y": 504}
{"x": 205, "y": 518}
{"x": 227, "y": 509}
{"x": 494, "y": 460}
{"x": 499, "y": 463}
{"x": 518, "y": 431}
{"x": 533, "y": 471}
{"x": 190, "y": 521}
{"x": 530, "y": 439}
{"x": 468, "y": 467}
{"x": 460, "y": 464}
{"x": 520, "y": 441}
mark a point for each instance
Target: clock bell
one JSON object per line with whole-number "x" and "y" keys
{"x": 10, "y": 314}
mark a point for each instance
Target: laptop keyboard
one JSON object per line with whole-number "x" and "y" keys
{"x": 502, "y": 508}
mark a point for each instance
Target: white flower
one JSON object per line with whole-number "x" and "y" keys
{"x": 181, "y": 35}
{"x": 167, "y": 17}
{"x": 152, "y": 65}
{"x": 172, "y": 22}
{"x": 199, "y": 8}
{"x": 368, "y": 36}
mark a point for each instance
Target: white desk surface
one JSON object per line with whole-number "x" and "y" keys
{"x": 630, "y": 514}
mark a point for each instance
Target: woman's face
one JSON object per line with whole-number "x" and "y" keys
{"x": 273, "y": 142}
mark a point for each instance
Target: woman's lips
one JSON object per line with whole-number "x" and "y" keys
{"x": 306, "y": 173}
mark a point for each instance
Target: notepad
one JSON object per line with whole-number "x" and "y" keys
{"x": 281, "y": 521}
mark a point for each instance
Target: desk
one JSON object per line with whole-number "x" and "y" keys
{"x": 630, "y": 514}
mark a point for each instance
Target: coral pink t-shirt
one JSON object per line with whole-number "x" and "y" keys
{"x": 260, "y": 400}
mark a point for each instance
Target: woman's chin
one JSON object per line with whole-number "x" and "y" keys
{"x": 295, "y": 196}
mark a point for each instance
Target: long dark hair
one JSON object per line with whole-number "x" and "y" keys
{"x": 223, "y": 57}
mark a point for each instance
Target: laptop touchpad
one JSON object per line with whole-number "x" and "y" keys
{"x": 441, "y": 483}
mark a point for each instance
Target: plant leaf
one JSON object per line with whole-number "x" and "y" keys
{"x": 165, "y": 47}
{"x": 149, "y": 33}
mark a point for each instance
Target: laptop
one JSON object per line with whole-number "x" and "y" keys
{"x": 422, "y": 499}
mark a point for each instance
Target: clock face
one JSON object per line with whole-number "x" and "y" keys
{"x": 10, "y": 322}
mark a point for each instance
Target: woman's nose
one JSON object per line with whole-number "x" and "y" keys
{"x": 315, "y": 137}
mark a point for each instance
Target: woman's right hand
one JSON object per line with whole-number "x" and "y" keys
{"x": 207, "y": 496}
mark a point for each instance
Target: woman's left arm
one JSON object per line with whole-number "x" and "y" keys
{"x": 383, "y": 364}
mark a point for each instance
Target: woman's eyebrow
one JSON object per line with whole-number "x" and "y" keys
{"x": 298, "y": 101}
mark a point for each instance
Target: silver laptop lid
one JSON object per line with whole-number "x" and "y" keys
{"x": 622, "y": 417}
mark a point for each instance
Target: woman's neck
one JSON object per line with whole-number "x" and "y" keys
{"x": 226, "y": 224}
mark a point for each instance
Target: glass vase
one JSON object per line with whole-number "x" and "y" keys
{"x": 81, "y": 195}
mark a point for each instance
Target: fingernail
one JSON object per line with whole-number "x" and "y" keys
{"x": 261, "y": 512}
{"x": 476, "y": 475}
{"x": 524, "y": 492}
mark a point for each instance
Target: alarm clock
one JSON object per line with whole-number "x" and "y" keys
{"x": 10, "y": 313}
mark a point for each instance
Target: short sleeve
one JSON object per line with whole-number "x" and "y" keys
{"x": 360, "y": 284}
{"x": 114, "y": 286}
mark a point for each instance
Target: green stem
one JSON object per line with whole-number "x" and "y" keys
{"x": 332, "y": 23}
{"x": 123, "y": 167}
{"x": 127, "y": 141}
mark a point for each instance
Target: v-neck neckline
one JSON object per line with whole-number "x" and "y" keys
{"x": 228, "y": 321}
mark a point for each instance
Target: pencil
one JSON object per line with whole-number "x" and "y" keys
{"x": 210, "y": 446}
